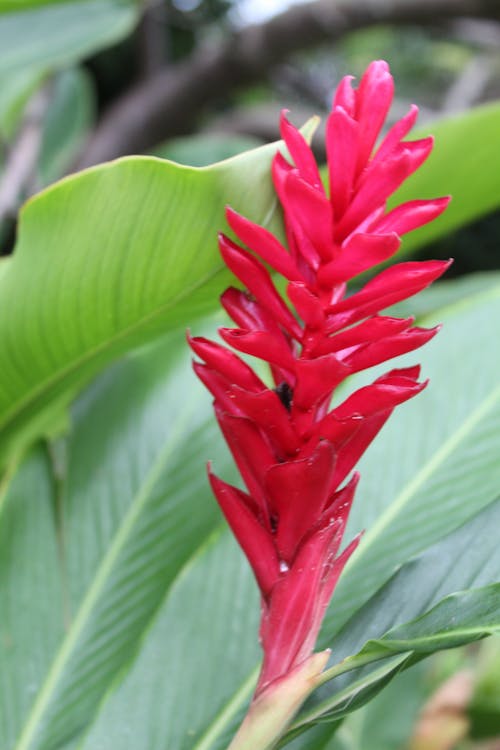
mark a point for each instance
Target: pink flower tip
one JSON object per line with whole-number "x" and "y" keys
{"x": 293, "y": 449}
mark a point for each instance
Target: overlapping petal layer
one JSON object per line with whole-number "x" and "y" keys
{"x": 292, "y": 450}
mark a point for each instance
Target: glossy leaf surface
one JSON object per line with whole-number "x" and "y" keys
{"x": 134, "y": 245}
{"x": 129, "y": 512}
{"x": 111, "y": 273}
{"x": 152, "y": 604}
{"x": 454, "y": 169}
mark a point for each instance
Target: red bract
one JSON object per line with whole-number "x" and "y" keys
{"x": 293, "y": 451}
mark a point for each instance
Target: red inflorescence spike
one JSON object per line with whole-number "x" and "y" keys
{"x": 292, "y": 449}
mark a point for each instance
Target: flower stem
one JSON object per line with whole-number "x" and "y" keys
{"x": 271, "y": 712}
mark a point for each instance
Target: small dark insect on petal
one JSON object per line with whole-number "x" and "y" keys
{"x": 285, "y": 394}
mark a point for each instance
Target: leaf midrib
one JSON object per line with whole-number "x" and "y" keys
{"x": 98, "y": 584}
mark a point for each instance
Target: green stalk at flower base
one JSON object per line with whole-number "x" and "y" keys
{"x": 272, "y": 711}
{"x": 295, "y": 449}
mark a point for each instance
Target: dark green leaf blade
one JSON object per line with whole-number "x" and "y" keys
{"x": 443, "y": 448}
{"x": 460, "y": 618}
{"x": 133, "y": 513}
{"x": 121, "y": 712}
{"x": 468, "y": 558}
{"x": 32, "y": 592}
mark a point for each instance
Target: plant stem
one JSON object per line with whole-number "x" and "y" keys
{"x": 271, "y": 712}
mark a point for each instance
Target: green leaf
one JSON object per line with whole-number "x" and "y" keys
{"x": 206, "y": 148}
{"x": 460, "y": 618}
{"x": 355, "y": 693}
{"x": 15, "y": 90}
{"x": 201, "y": 647}
{"x": 424, "y": 581}
{"x": 9, "y": 6}
{"x": 31, "y": 589}
{"x": 130, "y": 513}
{"x": 460, "y": 165}
{"x": 386, "y": 722}
{"x": 53, "y": 36}
{"x": 443, "y": 448}
{"x": 467, "y": 558}
{"x": 122, "y": 253}
{"x": 201, "y": 651}
{"x": 67, "y": 124}
{"x": 445, "y": 293}
{"x": 159, "y": 609}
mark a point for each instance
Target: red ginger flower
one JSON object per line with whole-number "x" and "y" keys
{"x": 294, "y": 452}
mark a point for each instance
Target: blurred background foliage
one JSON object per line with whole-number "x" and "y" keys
{"x": 65, "y": 88}
{"x": 68, "y": 68}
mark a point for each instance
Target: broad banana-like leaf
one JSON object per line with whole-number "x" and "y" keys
{"x": 146, "y": 610}
{"x": 106, "y": 260}
{"x": 113, "y": 256}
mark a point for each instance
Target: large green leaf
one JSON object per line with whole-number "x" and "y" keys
{"x": 401, "y": 700}
{"x": 31, "y": 589}
{"x": 219, "y": 586}
{"x": 197, "y": 667}
{"x": 447, "y": 437}
{"x": 130, "y": 513}
{"x": 205, "y": 148}
{"x": 460, "y": 618}
{"x": 199, "y": 624}
{"x": 106, "y": 259}
{"x": 427, "y": 579}
{"x": 461, "y": 166}
{"x": 54, "y": 35}
{"x": 112, "y": 271}
{"x": 468, "y": 558}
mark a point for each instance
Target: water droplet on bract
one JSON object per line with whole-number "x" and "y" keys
{"x": 283, "y": 567}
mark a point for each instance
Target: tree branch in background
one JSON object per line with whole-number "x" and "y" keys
{"x": 170, "y": 103}
{"x": 151, "y": 38}
{"x": 468, "y": 87}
